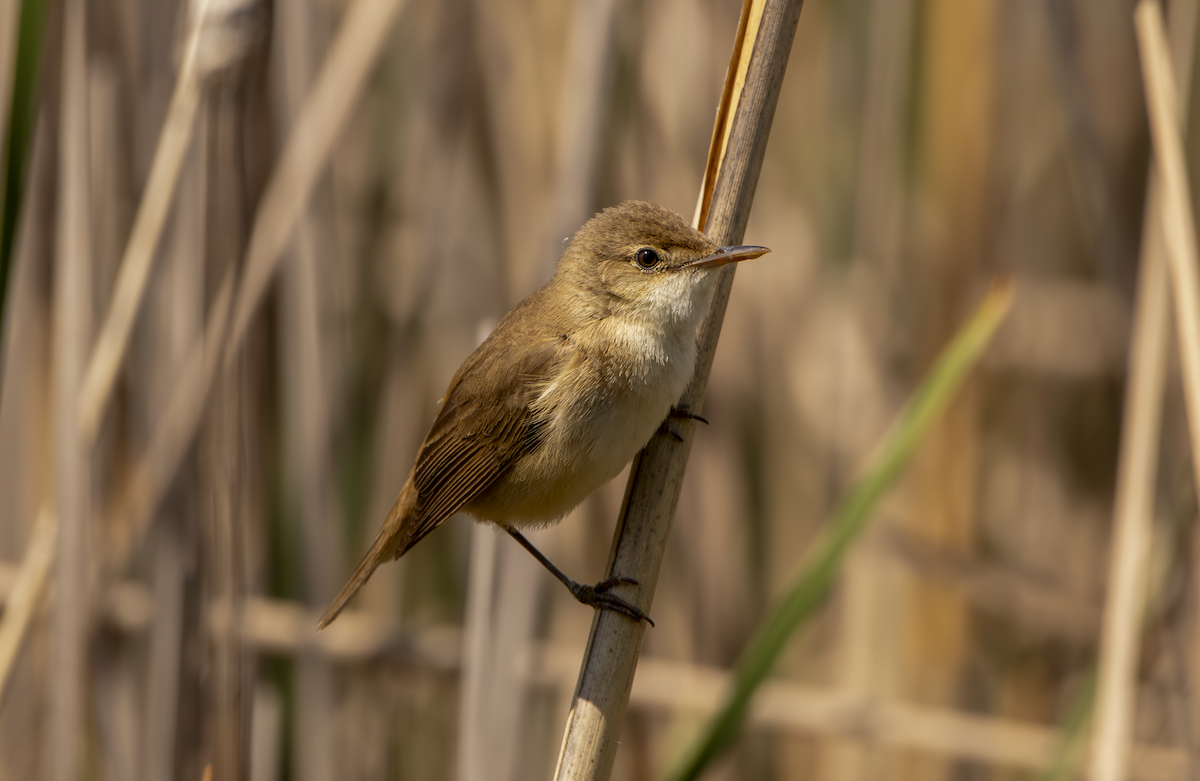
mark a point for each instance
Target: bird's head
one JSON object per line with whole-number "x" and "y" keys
{"x": 638, "y": 259}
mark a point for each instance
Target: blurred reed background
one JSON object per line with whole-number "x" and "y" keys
{"x": 250, "y": 444}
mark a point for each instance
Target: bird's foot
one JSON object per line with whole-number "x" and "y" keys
{"x": 596, "y": 596}
{"x": 682, "y": 412}
{"x": 600, "y": 597}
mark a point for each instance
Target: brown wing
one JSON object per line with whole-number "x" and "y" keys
{"x": 485, "y": 424}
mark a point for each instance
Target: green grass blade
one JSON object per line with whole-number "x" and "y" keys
{"x": 806, "y": 594}
{"x": 18, "y": 140}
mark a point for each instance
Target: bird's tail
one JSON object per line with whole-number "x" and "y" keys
{"x": 384, "y": 548}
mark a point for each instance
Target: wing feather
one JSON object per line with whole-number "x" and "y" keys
{"x": 486, "y": 423}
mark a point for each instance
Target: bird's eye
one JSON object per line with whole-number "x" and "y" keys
{"x": 646, "y": 258}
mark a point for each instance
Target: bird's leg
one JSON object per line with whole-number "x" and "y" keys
{"x": 596, "y": 596}
{"x": 683, "y": 412}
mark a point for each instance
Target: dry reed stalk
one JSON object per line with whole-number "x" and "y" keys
{"x": 1089, "y": 177}
{"x": 140, "y": 251}
{"x": 115, "y": 704}
{"x": 582, "y": 113}
{"x": 520, "y": 130}
{"x": 1169, "y": 206}
{"x": 107, "y": 171}
{"x": 66, "y": 733}
{"x": 1179, "y": 232}
{"x": 225, "y": 445}
{"x": 866, "y": 667}
{"x": 1133, "y": 516}
{"x": 521, "y": 582}
{"x": 25, "y": 593}
{"x": 307, "y": 407}
{"x": 878, "y": 212}
{"x": 223, "y": 547}
{"x": 1186, "y": 660}
{"x": 266, "y": 731}
{"x": 475, "y": 761}
{"x": 956, "y": 114}
{"x": 318, "y": 515}
{"x": 167, "y": 635}
{"x": 307, "y": 371}
{"x": 743, "y": 124}
{"x": 114, "y": 687}
{"x": 173, "y": 324}
{"x": 1183, "y": 33}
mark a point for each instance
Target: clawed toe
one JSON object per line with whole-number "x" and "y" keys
{"x": 684, "y": 411}
{"x": 608, "y": 583}
{"x": 598, "y": 597}
{"x": 665, "y": 428}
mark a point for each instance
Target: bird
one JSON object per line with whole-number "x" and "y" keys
{"x": 570, "y": 385}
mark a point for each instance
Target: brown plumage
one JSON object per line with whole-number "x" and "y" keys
{"x": 571, "y": 384}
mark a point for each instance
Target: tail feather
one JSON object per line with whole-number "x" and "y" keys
{"x": 385, "y": 547}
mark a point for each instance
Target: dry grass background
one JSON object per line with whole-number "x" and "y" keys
{"x": 257, "y": 432}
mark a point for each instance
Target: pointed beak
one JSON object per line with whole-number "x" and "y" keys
{"x": 725, "y": 255}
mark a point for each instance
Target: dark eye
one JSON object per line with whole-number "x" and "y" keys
{"x": 646, "y": 258}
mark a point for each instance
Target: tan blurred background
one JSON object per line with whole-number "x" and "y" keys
{"x": 921, "y": 148}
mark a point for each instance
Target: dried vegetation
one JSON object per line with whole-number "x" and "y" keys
{"x": 349, "y": 194}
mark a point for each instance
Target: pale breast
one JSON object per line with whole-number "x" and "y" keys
{"x": 604, "y": 407}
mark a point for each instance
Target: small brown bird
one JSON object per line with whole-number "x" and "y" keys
{"x": 566, "y": 390}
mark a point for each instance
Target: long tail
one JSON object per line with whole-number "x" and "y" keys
{"x": 384, "y": 548}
